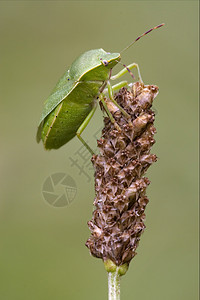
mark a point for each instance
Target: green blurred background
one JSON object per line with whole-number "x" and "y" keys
{"x": 42, "y": 251}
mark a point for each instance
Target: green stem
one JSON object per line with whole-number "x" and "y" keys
{"x": 114, "y": 285}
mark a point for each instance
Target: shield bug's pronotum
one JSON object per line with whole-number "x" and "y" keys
{"x": 71, "y": 105}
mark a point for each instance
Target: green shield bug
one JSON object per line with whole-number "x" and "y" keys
{"x": 71, "y": 105}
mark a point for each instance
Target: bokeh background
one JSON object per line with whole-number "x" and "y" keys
{"x": 42, "y": 251}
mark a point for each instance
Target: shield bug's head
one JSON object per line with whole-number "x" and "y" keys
{"x": 88, "y": 62}
{"x": 109, "y": 60}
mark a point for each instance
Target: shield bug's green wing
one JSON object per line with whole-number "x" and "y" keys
{"x": 60, "y": 92}
{"x": 68, "y": 82}
{"x": 52, "y": 102}
{"x": 62, "y": 88}
{"x": 54, "y": 99}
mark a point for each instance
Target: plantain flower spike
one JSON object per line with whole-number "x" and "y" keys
{"x": 120, "y": 186}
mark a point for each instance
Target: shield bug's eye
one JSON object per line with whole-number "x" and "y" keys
{"x": 105, "y": 62}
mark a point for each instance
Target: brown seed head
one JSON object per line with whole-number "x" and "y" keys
{"x": 118, "y": 220}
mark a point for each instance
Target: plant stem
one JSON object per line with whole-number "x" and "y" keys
{"x": 114, "y": 285}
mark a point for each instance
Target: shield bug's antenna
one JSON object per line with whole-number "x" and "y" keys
{"x": 139, "y": 37}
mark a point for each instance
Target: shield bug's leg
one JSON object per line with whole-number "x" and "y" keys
{"x": 85, "y": 144}
{"x": 101, "y": 98}
{"x": 83, "y": 126}
{"x": 110, "y": 92}
{"x": 127, "y": 70}
{"x": 117, "y": 86}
